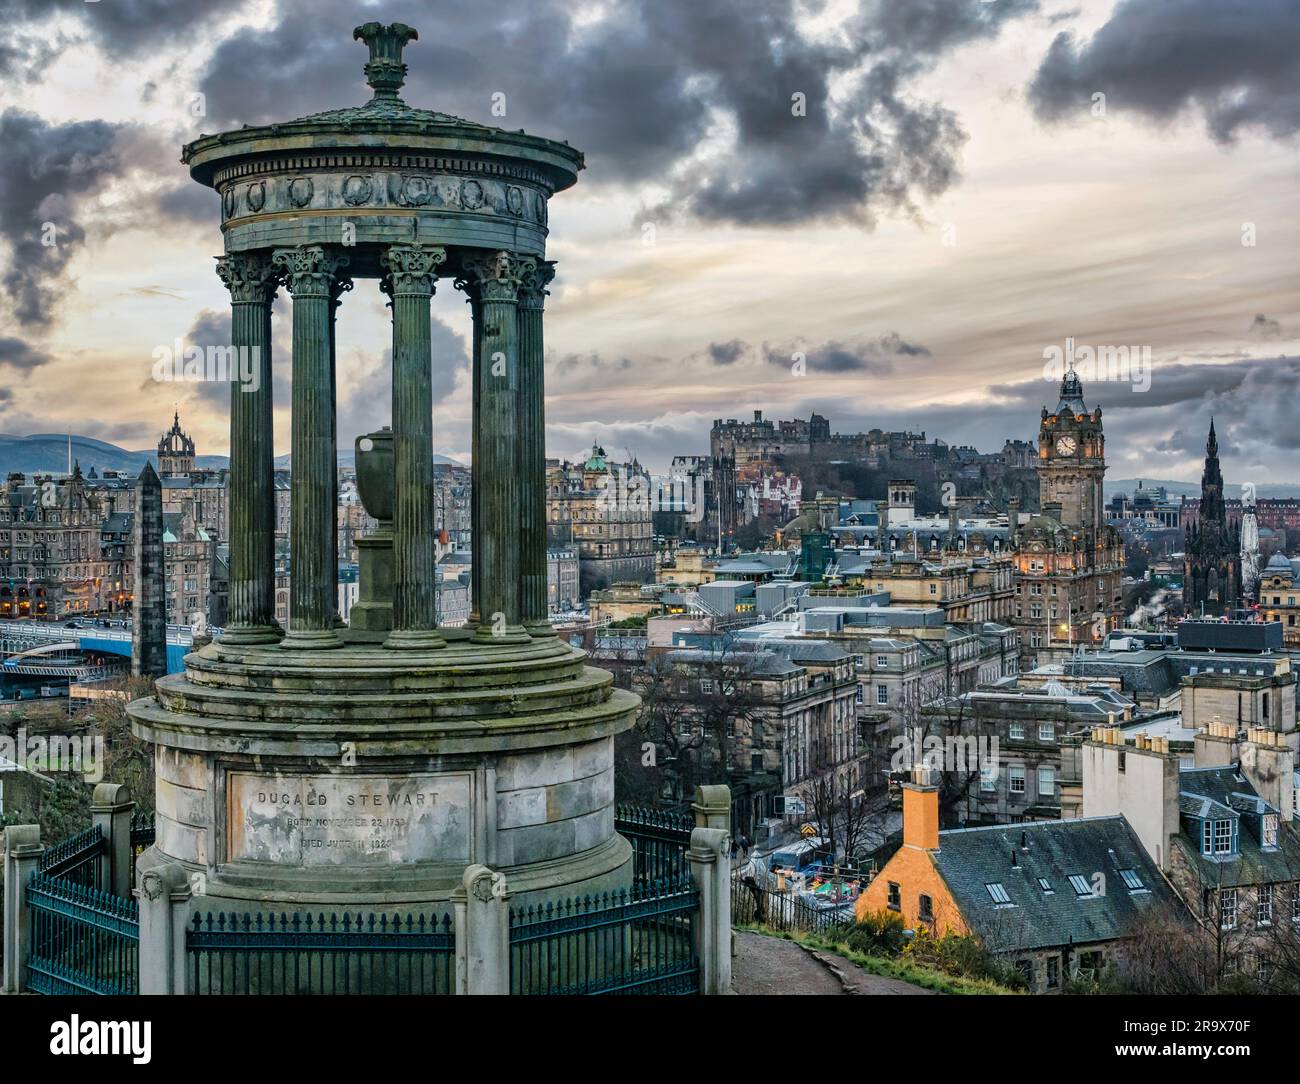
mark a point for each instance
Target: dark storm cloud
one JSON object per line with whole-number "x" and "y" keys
{"x": 638, "y": 89}
{"x": 726, "y": 353}
{"x": 929, "y": 27}
{"x": 590, "y": 364}
{"x": 122, "y": 28}
{"x": 874, "y": 356}
{"x": 18, "y": 354}
{"x": 190, "y": 202}
{"x": 1235, "y": 61}
{"x": 1171, "y": 385}
{"x": 44, "y": 172}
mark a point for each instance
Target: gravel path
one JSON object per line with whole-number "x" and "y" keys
{"x": 771, "y": 965}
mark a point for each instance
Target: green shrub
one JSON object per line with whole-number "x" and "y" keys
{"x": 877, "y": 932}
{"x": 962, "y": 956}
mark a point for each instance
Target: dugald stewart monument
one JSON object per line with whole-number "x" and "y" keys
{"x": 368, "y": 765}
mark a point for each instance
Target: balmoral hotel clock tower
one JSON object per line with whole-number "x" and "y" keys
{"x": 1072, "y": 458}
{"x": 1069, "y": 561}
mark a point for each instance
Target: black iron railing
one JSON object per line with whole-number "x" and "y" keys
{"x": 315, "y": 954}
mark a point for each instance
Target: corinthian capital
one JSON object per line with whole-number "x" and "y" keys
{"x": 534, "y": 276}
{"x": 310, "y": 270}
{"x": 493, "y": 276}
{"x": 249, "y": 276}
{"x": 411, "y": 269}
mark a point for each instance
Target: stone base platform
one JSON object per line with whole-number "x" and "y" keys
{"x": 360, "y": 777}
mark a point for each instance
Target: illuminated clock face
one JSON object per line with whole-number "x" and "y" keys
{"x": 1065, "y": 446}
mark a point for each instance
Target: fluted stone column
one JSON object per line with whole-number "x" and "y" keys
{"x": 475, "y": 524}
{"x": 535, "y": 275}
{"x": 310, "y": 273}
{"x": 411, "y": 271}
{"x": 341, "y": 286}
{"x": 493, "y": 278}
{"x": 252, "y": 279}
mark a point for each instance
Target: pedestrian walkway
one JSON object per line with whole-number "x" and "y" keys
{"x": 773, "y": 965}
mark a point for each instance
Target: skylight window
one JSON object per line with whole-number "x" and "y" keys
{"x": 1081, "y": 885}
{"x": 1132, "y": 880}
{"x": 998, "y": 892}
{"x": 1045, "y": 885}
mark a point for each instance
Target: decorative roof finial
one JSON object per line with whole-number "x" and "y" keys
{"x": 385, "y": 71}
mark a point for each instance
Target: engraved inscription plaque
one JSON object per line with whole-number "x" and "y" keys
{"x": 349, "y": 820}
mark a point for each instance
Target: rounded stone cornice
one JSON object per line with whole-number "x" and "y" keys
{"x": 376, "y": 726}
{"x": 364, "y": 136}
{"x": 460, "y": 697}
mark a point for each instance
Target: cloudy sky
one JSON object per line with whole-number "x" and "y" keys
{"x": 885, "y": 211}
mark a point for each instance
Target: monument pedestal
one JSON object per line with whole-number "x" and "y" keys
{"x": 367, "y": 778}
{"x": 373, "y": 609}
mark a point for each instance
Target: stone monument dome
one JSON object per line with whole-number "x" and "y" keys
{"x": 391, "y": 170}
{"x": 369, "y": 763}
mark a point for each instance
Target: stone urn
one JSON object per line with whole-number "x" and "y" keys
{"x": 376, "y": 483}
{"x": 376, "y": 480}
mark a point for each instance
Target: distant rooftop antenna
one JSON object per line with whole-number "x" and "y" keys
{"x": 69, "y": 454}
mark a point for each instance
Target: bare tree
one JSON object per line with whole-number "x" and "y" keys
{"x": 850, "y": 818}
{"x": 689, "y": 710}
{"x": 946, "y": 736}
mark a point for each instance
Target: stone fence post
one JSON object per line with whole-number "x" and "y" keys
{"x": 710, "y": 867}
{"x": 164, "y": 895}
{"x": 712, "y": 807}
{"x": 110, "y": 811}
{"x": 482, "y": 905}
{"x": 22, "y": 855}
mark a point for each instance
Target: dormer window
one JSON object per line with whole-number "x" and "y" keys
{"x": 1216, "y": 836}
{"x": 1268, "y": 830}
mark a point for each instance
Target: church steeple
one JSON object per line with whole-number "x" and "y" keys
{"x": 175, "y": 450}
{"x": 1212, "y": 580}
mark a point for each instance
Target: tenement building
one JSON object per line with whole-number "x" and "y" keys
{"x": 602, "y": 509}
{"x": 771, "y": 719}
{"x": 1069, "y": 560}
{"x": 51, "y": 561}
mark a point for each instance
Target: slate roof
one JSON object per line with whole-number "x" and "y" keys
{"x": 806, "y": 650}
{"x": 1223, "y": 792}
{"x": 118, "y": 523}
{"x": 743, "y": 567}
{"x": 969, "y": 859}
{"x": 756, "y": 663}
